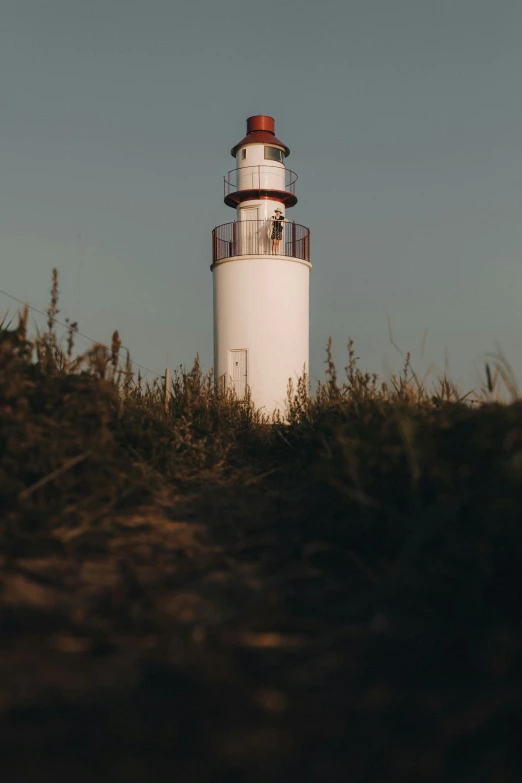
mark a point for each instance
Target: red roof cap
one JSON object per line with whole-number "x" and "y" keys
{"x": 260, "y": 130}
{"x": 261, "y": 122}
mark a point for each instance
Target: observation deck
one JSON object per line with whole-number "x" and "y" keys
{"x": 254, "y": 237}
{"x": 247, "y": 183}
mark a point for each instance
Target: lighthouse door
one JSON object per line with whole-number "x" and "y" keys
{"x": 249, "y": 231}
{"x": 238, "y": 372}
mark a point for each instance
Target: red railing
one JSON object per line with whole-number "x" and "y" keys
{"x": 263, "y": 178}
{"x": 254, "y": 237}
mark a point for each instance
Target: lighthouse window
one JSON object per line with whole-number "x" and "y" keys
{"x": 272, "y": 153}
{"x": 243, "y": 154}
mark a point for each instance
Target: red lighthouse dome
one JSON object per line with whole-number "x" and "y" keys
{"x": 260, "y": 130}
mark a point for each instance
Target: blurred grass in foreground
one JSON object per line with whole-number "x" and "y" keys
{"x": 211, "y": 593}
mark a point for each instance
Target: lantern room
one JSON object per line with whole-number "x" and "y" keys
{"x": 260, "y": 172}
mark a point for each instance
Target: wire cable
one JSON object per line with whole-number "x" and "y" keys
{"x": 76, "y": 331}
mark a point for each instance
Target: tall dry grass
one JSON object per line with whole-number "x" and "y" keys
{"x": 381, "y": 518}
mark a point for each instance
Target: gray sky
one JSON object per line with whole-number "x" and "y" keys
{"x": 404, "y": 120}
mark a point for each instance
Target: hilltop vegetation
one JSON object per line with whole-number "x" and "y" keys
{"x": 198, "y": 592}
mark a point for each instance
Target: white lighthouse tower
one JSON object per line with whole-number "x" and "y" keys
{"x": 261, "y": 284}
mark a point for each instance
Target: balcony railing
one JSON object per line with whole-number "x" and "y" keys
{"x": 254, "y": 237}
{"x": 261, "y": 181}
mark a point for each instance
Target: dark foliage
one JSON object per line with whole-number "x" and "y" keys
{"x": 192, "y": 590}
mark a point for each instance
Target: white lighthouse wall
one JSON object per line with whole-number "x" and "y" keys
{"x": 265, "y": 209}
{"x": 255, "y": 155}
{"x": 261, "y": 306}
{"x": 255, "y": 171}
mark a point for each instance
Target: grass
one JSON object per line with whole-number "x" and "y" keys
{"x": 200, "y": 592}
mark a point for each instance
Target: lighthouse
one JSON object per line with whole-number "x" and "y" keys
{"x": 261, "y": 274}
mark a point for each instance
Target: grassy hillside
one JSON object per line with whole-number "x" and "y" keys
{"x": 198, "y": 593}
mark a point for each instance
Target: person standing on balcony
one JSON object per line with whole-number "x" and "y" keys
{"x": 276, "y": 235}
